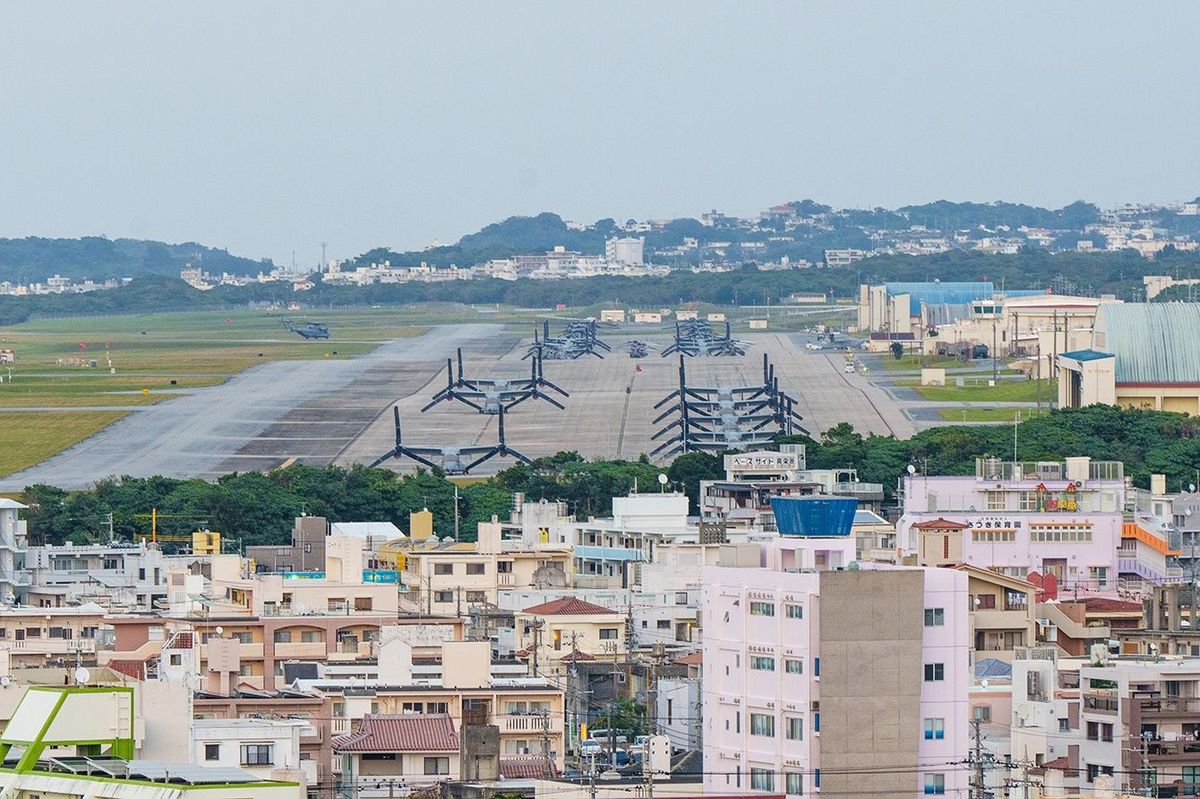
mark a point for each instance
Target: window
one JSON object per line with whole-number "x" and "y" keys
{"x": 762, "y": 609}
{"x": 443, "y": 596}
{"x": 982, "y": 713}
{"x": 793, "y": 666}
{"x": 794, "y": 729}
{"x": 443, "y": 568}
{"x": 476, "y": 568}
{"x": 762, "y": 724}
{"x": 935, "y": 729}
{"x": 362, "y": 603}
{"x": 762, "y": 663}
{"x": 242, "y": 638}
{"x": 437, "y": 765}
{"x": 793, "y": 612}
{"x": 1098, "y": 575}
{"x": 310, "y": 637}
{"x": 664, "y": 624}
{"x": 1097, "y": 731}
{"x": 437, "y": 707}
{"x": 995, "y": 500}
{"x": 794, "y": 784}
{"x": 935, "y": 672}
{"x": 283, "y": 636}
{"x": 608, "y": 633}
{"x": 1191, "y": 775}
{"x": 212, "y": 751}
{"x": 681, "y": 597}
{"x": 504, "y": 566}
{"x": 477, "y": 596}
{"x": 1064, "y": 725}
{"x": 762, "y": 779}
{"x": 258, "y": 754}
{"x": 935, "y": 617}
{"x": 111, "y": 564}
{"x": 935, "y": 784}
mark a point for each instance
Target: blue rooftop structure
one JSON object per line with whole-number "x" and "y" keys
{"x": 1087, "y": 355}
{"x": 929, "y": 293}
{"x": 815, "y": 516}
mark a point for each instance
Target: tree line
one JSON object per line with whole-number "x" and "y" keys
{"x": 255, "y": 508}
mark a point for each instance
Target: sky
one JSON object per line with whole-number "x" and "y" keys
{"x": 267, "y": 128}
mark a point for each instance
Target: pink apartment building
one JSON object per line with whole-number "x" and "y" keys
{"x": 820, "y": 676}
{"x": 1065, "y": 519}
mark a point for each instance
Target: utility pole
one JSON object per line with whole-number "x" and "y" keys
{"x": 549, "y": 761}
{"x": 456, "y": 514}
{"x": 977, "y": 786}
{"x": 537, "y": 644}
{"x": 995, "y": 353}
{"x": 612, "y": 705}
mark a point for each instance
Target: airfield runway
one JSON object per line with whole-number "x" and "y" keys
{"x": 325, "y": 411}
{"x": 602, "y": 419}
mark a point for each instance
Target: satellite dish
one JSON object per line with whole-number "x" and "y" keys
{"x": 984, "y": 683}
{"x": 5, "y": 680}
{"x": 82, "y": 676}
{"x": 662, "y": 479}
{"x": 912, "y": 469}
{"x": 220, "y": 631}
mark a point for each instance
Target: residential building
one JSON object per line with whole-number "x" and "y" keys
{"x": 447, "y": 577}
{"x": 121, "y": 576}
{"x": 1060, "y": 519}
{"x": 550, "y": 635}
{"x": 12, "y": 550}
{"x": 42, "y": 636}
{"x": 625, "y": 250}
{"x": 814, "y": 673}
{"x": 258, "y": 746}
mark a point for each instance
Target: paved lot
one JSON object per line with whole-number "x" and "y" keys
{"x": 603, "y": 420}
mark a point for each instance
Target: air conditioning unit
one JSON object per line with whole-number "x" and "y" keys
{"x": 814, "y": 706}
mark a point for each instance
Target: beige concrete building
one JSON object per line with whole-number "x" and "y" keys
{"x": 39, "y": 636}
{"x": 447, "y": 578}
{"x": 550, "y": 636}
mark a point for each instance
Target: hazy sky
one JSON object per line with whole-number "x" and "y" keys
{"x": 269, "y": 127}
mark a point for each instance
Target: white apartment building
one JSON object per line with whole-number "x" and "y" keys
{"x": 115, "y": 575}
{"x": 259, "y": 746}
{"x": 625, "y": 250}
{"x": 12, "y": 550}
{"x": 813, "y": 673}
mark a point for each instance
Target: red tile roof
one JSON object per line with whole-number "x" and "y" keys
{"x": 940, "y": 524}
{"x": 527, "y": 768}
{"x": 568, "y": 606}
{"x": 130, "y": 668}
{"x": 694, "y": 659}
{"x": 411, "y": 733}
{"x": 578, "y": 655}
{"x": 1103, "y": 604}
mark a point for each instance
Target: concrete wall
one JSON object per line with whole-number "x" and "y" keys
{"x": 871, "y": 662}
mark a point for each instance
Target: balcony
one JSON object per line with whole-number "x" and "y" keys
{"x": 298, "y": 649}
{"x": 1097, "y": 703}
{"x": 531, "y": 723}
{"x": 1001, "y": 619}
{"x": 53, "y": 646}
{"x": 1161, "y": 708}
{"x": 252, "y": 651}
{"x": 1181, "y": 751}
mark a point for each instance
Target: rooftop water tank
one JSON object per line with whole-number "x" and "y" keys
{"x": 814, "y": 516}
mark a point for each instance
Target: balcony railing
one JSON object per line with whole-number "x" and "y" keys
{"x": 1108, "y": 705}
{"x": 1182, "y": 750}
{"x": 1169, "y": 707}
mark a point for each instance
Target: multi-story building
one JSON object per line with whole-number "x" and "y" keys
{"x": 42, "y": 636}
{"x": 12, "y": 550}
{"x": 551, "y": 635}
{"x": 811, "y": 666}
{"x": 258, "y": 622}
{"x": 130, "y": 575}
{"x": 1050, "y": 518}
{"x": 447, "y": 577}
{"x": 625, "y": 250}
{"x": 528, "y": 713}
